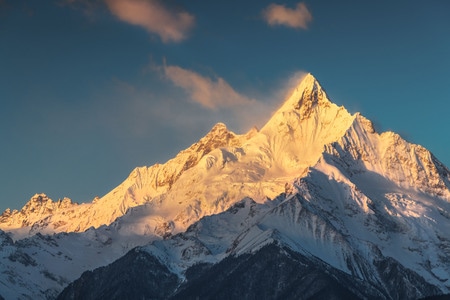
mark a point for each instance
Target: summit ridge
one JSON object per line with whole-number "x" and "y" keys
{"x": 305, "y": 96}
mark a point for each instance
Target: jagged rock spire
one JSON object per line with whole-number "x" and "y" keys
{"x": 305, "y": 97}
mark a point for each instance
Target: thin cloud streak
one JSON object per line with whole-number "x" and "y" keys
{"x": 211, "y": 94}
{"x": 154, "y": 17}
{"x": 299, "y": 17}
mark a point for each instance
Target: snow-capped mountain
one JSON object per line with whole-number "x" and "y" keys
{"x": 368, "y": 212}
{"x": 218, "y": 170}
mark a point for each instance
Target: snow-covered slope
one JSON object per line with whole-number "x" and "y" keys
{"x": 247, "y": 229}
{"x": 39, "y": 267}
{"x": 297, "y": 132}
{"x": 323, "y": 183}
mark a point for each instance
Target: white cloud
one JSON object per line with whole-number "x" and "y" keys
{"x": 152, "y": 15}
{"x": 299, "y": 17}
{"x": 205, "y": 91}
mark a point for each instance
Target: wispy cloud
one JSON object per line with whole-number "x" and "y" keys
{"x": 210, "y": 93}
{"x": 154, "y": 16}
{"x": 220, "y": 100}
{"x": 299, "y": 17}
{"x": 126, "y": 109}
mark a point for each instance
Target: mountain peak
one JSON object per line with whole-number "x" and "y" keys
{"x": 306, "y": 96}
{"x": 309, "y": 79}
{"x": 219, "y": 134}
{"x": 307, "y": 99}
{"x": 305, "y": 123}
{"x": 218, "y": 128}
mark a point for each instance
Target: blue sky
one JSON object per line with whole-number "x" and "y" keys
{"x": 91, "y": 89}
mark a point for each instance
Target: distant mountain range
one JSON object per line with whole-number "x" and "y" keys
{"x": 314, "y": 205}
